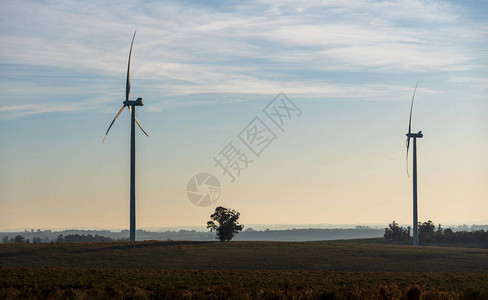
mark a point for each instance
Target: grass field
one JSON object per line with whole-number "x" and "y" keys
{"x": 244, "y": 270}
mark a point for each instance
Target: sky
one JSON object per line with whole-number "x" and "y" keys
{"x": 207, "y": 70}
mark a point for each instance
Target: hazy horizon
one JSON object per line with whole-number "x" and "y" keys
{"x": 253, "y": 226}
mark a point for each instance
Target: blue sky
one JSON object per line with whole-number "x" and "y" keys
{"x": 204, "y": 70}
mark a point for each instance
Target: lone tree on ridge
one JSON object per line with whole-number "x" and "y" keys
{"x": 224, "y": 222}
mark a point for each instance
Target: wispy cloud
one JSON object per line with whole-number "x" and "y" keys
{"x": 474, "y": 82}
{"x": 250, "y": 47}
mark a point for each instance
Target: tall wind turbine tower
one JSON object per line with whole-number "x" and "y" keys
{"x": 414, "y": 136}
{"x": 131, "y": 104}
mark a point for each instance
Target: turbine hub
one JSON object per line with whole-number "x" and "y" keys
{"x": 137, "y": 102}
{"x": 415, "y": 135}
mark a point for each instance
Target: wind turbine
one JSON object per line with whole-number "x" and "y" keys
{"x": 131, "y": 104}
{"x": 414, "y": 136}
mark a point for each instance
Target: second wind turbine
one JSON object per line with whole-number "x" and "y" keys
{"x": 414, "y": 136}
{"x": 131, "y": 104}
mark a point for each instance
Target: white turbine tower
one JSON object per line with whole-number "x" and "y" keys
{"x": 414, "y": 136}
{"x": 132, "y": 109}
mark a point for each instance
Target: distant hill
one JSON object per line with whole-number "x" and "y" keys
{"x": 310, "y": 234}
{"x": 291, "y": 235}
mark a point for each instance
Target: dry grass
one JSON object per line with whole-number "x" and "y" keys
{"x": 247, "y": 256}
{"x": 241, "y": 270}
{"x": 224, "y": 284}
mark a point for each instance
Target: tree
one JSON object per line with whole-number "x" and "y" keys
{"x": 397, "y": 233}
{"x": 224, "y": 222}
{"x": 426, "y": 231}
{"x": 19, "y": 239}
{"x": 60, "y": 239}
{"x": 439, "y": 234}
{"x": 5, "y": 239}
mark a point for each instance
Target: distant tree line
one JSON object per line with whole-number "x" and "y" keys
{"x": 46, "y": 236}
{"x": 82, "y": 238}
{"x": 300, "y": 234}
{"x": 19, "y": 239}
{"x": 429, "y": 233}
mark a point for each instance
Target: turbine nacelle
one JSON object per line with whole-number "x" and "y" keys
{"x": 415, "y": 135}
{"x": 137, "y": 102}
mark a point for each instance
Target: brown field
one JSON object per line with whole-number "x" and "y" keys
{"x": 241, "y": 270}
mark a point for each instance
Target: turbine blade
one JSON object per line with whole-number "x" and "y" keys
{"x": 127, "y": 85}
{"x": 410, "y": 123}
{"x": 116, "y": 116}
{"x": 140, "y": 126}
{"x": 408, "y": 145}
{"x": 411, "y": 109}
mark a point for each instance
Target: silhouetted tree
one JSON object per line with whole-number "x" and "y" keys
{"x": 439, "y": 234}
{"x": 426, "y": 231}
{"x": 397, "y": 233}
{"x": 5, "y": 239}
{"x": 428, "y": 234}
{"x": 224, "y": 222}
{"x": 448, "y": 233}
{"x": 19, "y": 239}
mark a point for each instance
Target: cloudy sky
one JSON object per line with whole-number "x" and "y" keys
{"x": 205, "y": 70}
